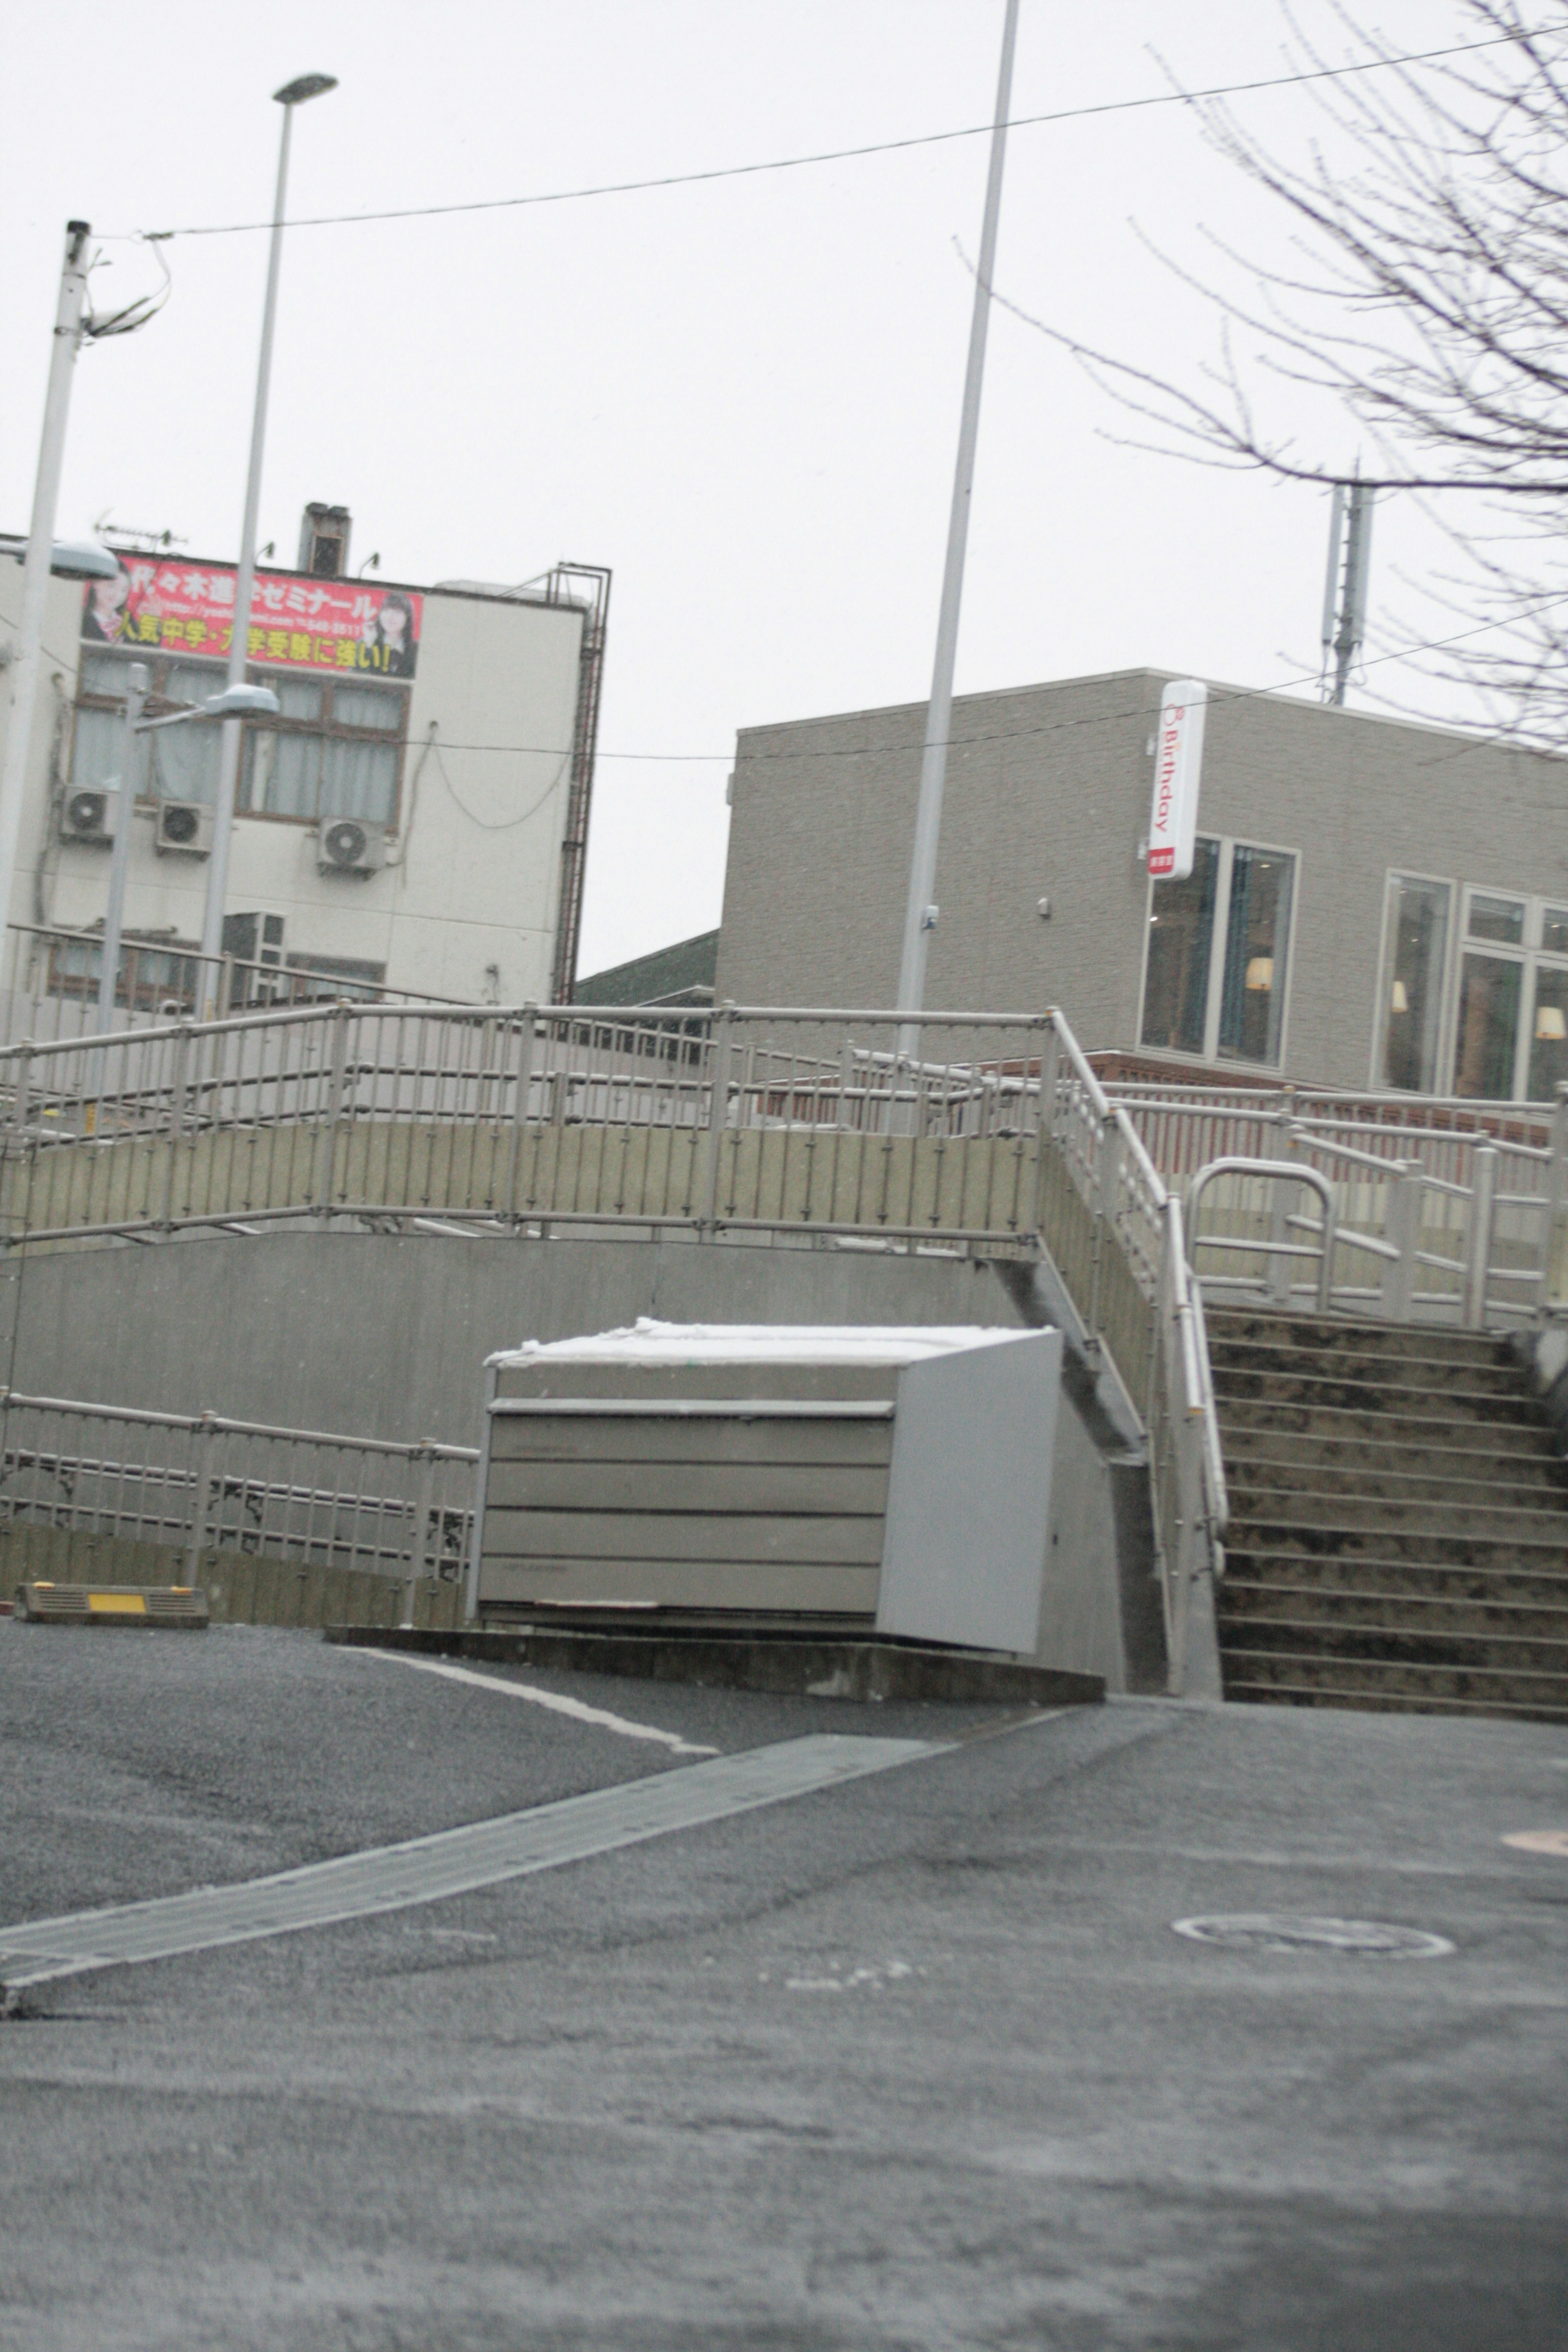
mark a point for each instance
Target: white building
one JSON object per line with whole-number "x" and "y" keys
{"x": 415, "y": 818}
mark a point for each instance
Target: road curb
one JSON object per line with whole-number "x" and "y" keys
{"x": 797, "y": 1665}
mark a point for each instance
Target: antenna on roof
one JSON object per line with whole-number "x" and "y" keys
{"x": 1345, "y": 591}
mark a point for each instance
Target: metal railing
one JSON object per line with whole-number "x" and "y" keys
{"x": 51, "y": 982}
{"x": 1413, "y": 1239}
{"x": 746, "y": 1124}
{"x": 209, "y": 1484}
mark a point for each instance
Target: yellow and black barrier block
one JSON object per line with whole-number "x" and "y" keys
{"x": 179, "y": 1607}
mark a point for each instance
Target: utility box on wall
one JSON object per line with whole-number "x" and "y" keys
{"x": 898, "y": 1478}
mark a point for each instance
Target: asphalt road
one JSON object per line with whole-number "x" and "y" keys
{"x": 913, "y": 2063}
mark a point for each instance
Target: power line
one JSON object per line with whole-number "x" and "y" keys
{"x": 1017, "y": 734}
{"x": 845, "y": 154}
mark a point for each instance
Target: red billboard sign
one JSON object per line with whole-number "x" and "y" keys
{"x": 155, "y": 604}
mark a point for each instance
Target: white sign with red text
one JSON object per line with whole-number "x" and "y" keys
{"x": 1178, "y": 763}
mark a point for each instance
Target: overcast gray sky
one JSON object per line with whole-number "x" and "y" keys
{"x": 741, "y": 396}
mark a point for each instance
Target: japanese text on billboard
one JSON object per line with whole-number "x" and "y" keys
{"x": 296, "y": 622}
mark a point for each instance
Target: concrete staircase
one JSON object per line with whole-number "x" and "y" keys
{"x": 1398, "y": 1520}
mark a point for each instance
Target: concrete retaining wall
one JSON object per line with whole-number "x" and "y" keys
{"x": 384, "y": 1336}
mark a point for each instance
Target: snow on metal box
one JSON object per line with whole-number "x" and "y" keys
{"x": 896, "y": 1475}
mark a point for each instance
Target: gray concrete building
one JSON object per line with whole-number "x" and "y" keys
{"x": 1372, "y": 903}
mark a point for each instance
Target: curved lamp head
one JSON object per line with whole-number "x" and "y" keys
{"x": 68, "y": 560}
{"x": 242, "y": 702}
{"x": 304, "y": 86}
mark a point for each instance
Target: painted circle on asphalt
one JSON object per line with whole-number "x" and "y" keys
{"x": 1278, "y": 1931}
{"x": 1540, "y": 1841}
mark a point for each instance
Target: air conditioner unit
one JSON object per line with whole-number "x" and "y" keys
{"x": 349, "y": 846}
{"x": 90, "y": 815}
{"x": 185, "y": 829}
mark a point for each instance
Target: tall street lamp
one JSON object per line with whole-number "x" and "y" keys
{"x": 42, "y": 554}
{"x": 919, "y": 913}
{"x": 232, "y": 706}
{"x": 294, "y": 93}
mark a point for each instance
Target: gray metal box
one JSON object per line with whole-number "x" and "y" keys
{"x": 898, "y": 1476}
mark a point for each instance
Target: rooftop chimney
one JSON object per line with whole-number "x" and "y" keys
{"x": 324, "y": 541}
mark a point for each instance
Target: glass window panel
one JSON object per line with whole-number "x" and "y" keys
{"x": 358, "y": 780}
{"x": 1257, "y": 941}
{"x": 283, "y": 774}
{"x": 186, "y": 762}
{"x": 1496, "y": 918}
{"x": 368, "y": 706}
{"x": 98, "y": 747}
{"x": 1418, "y": 929}
{"x": 1554, "y": 930}
{"x": 193, "y": 682}
{"x": 1181, "y": 933}
{"x": 1489, "y": 992}
{"x": 1548, "y": 1035}
{"x": 102, "y": 673}
{"x": 300, "y": 698}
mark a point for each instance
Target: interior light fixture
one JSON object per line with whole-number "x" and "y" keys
{"x": 1549, "y": 1025}
{"x": 1399, "y": 1001}
{"x": 1260, "y": 974}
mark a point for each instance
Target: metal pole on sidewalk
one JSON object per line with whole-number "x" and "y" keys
{"x": 919, "y": 914}
{"x": 68, "y": 336}
{"x": 137, "y": 680}
{"x": 295, "y": 94}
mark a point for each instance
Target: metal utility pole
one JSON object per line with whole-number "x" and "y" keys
{"x": 919, "y": 914}
{"x": 1344, "y": 591}
{"x": 295, "y": 93}
{"x": 137, "y": 680}
{"x": 69, "y": 330}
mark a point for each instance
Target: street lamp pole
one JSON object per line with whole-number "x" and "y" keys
{"x": 137, "y": 680}
{"x": 233, "y": 705}
{"x": 40, "y": 543}
{"x": 919, "y": 913}
{"x": 293, "y": 94}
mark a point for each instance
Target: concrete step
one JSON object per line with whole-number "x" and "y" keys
{"x": 1358, "y": 1457}
{"x": 1452, "y": 1546}
{"x": 1380, "y": 1645}
{"x": 1419, "y": 1510}
{"x": 1509, "y": 1407}
{"x": 1513, "y": 1441}
{"x": 1322, "y": 1333}
{"x": 1367, "y": 1610}
{"x": 1435, "y": 1375}
{"x": 1262, "y": 1674}
{"x": 1297, "y": 1570}
{"x": 1242, "y": 1691}
{"x": 1421, "y": 1481}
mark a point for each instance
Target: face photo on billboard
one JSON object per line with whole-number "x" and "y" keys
{"x": 391, "y": 635}
{"x": 106, "y": 608}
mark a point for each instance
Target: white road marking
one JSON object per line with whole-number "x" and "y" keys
{"x": 452, "y": 1862}
{"x": 557, "y": 1702}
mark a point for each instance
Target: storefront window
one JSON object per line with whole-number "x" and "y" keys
{"x": 1548, "y": 1034}
{"x": 1181, "y": 937}
{"x": 1252, "y": 1007}
{"x": 1413, "y": 1014}
{"x": 1219, "y": 946}
{"x": 1489, "y": 1028}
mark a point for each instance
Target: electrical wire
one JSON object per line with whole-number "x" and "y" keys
{"x": 505, "y": 824}
{"x": 841, "y": 155}
{"x": 136, "y": 314}
{"x": 1005, "y": 734}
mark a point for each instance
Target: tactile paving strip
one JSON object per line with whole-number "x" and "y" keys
{"x": 452, "y": 1862}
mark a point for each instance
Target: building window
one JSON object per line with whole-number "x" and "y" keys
{"x": 1417, "y": 931}
{"x": 1219, "y": 945}
{"x": 1508, "y": 1002}
{"x": 335, "y": 749}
